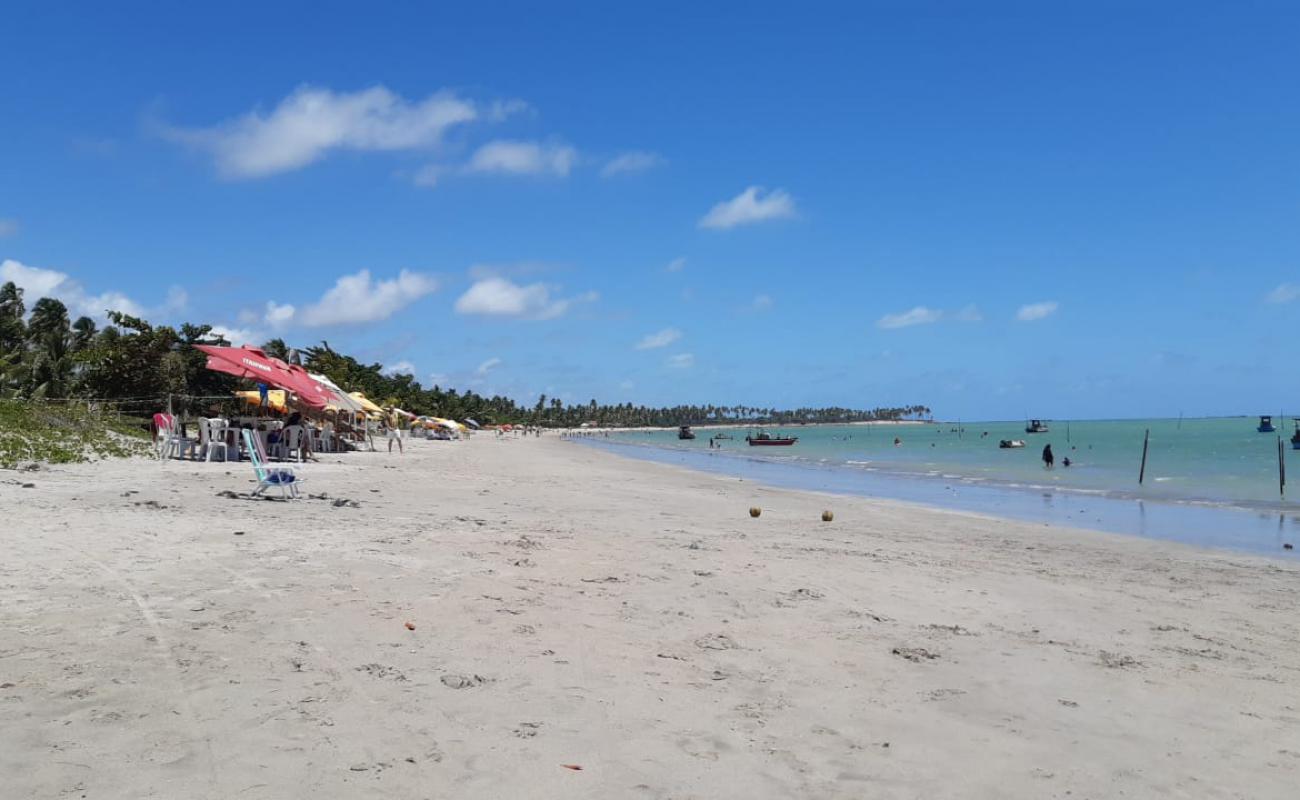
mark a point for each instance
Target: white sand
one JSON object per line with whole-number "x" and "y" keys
{"x": 625, "y": 617}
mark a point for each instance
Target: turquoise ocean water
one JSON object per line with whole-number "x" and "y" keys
{"x": 1208, "y": 481}
{"x": 1212, "y": 461}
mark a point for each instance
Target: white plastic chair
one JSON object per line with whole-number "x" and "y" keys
{"x": 291, "y": 441}
{"x": 163, "y": 444}
{"x": 325, "y": 438}
{"x": 170, "y": 443}
{"x": 213, "y": 439}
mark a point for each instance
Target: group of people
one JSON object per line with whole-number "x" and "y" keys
{"x": 1049, "y": 458}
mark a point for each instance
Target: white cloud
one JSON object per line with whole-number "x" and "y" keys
{"x": 1037, "y": 311}
{"x": 500, "y": 109}
{"x": 677, "y": 264}
{"x": 663, "y": 338}
{"x": 970, "y": 313}
{"x": 762, "y": 302}
{"x": 35, "y": 281}
{"x": 239, "y": 336}
{"x": 305, "y": 126}
{"x": 748, "y": 207}
{"x": 428, "y": 175}
{"x": 278, "y": 315}
{"x": 8, "y": 227}
{"x": 916, "y": 316}
{"x": 522, "y": 158}
{"x": 501, "y": 297}
{"x": 681, "y": 361}
{"x": 627, "y": 386}
{"x": 1284, "y": 293}
{"x": 399, "y": 368}
{"x": 633, "y": 161}
{"x": 177, "y": 301}
{"x": 357, "y": 298}
{"x": 38, "y": 282}
{"x": 487, "y": 366}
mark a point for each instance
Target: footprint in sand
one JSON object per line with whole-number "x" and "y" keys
{"x": 716, "y": 641}
{"x": 457, "y": 681}
{"x": 915, "y": 654}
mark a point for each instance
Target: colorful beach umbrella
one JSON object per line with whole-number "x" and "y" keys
{"x": 365, "y": 403}
{"x": 342, "y": 400}
{"x": 276, "y": 399}
{"x": 251, "y": 362}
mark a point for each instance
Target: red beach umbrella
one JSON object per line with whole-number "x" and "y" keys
{"x": 251, "y": 362}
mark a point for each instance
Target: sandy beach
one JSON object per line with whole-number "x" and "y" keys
{"x": 480, "y": 619}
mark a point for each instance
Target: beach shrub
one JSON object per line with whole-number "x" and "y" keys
{"x": 66, "y": 432}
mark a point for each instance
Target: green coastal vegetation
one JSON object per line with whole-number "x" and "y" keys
{"x": 65, "y": 432}
{"x": 135, "y": 368}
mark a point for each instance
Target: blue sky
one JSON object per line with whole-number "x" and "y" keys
{"x": 996, "y": 209}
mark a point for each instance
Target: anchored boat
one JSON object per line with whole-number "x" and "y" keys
{"x": 1036, "y": 426}
{"x": 765, "y": 439}
{"x": 685, "y": 432}
{"x": 1265, "y": 424}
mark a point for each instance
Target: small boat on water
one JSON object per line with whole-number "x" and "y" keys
{"x": 685, "y": 432}
{"x": 1265, "y": 424}
{"x": 1011, "y": 444}
{"x": 1295, "y": 437}
{"x": 765, "y": 439}
{"x": 1036, "y": 426}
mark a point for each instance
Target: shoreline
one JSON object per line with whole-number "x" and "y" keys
{"x": 569, "y": 606}
{"x": 1260, "y": 530}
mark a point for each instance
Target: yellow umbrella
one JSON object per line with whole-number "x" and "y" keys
{"x": 275, "y": 399}
{"x": 365, "y": 403}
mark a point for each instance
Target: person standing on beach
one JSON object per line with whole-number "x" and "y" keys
{"x": 395, "y": 431}
{"x": 1049, "y": 460}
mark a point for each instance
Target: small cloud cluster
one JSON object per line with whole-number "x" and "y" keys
{"x": 1036, "y": 311}
{"x": 924, "y": 315}
{"x": 663, "y": 338}
{"x": 522, "y": 158}
{"x": 630, "y": 162}
{"x": 681, "y": 361}
{"x": 749, "y": 207}
{"x": 501, "y": 297}
{"x": 38, "y": 282}
{"x": 8, "y": 227}
{"x": 312, "y": 122}
{"x": 399, "y": 368}
{"x": 354, "y": 299}
{"x": 676, "y": 265}
{"x": 920, "y": 315}
{"x": 238, "y": 336}
{"x": 358, "y": 298}
{"x": 1284, "y": 293}
{"x": 761, "y": 303}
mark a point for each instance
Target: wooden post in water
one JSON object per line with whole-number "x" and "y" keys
{"x": 1142, "y": 473}
{"x": 1281, "y": 468}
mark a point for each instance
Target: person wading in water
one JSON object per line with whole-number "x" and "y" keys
{"x": 1048, "y": 459}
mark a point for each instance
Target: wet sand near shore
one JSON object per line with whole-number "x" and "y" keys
{"x": 476, "y": 619}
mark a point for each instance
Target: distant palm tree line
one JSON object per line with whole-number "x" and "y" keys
{"x": 44, "y": 354}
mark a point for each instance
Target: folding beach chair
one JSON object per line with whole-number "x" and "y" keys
{"x": 266, "y": 478}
